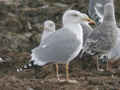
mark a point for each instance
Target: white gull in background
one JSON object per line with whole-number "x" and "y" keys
{"x": 49, "y": 28}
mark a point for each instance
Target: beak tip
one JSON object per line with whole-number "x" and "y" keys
{"x": 92, "y": 23}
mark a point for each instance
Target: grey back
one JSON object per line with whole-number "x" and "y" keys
{"x": 58, "y": 47}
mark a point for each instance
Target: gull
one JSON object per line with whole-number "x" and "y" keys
{"x": 114, "y": 54}
{"x": 64, "y": 45}
{"x": 49, "y": 28}
{"x": 104, "y": 36}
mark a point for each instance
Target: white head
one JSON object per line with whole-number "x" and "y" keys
{"x": 75, "y": 17}
{"x": 49, "y": 26}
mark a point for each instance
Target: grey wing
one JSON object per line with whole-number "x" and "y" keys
{"x": 91, "y": 42}
{"x": 102, "y": 39}
{"x": 44, "y": 35}
{"x": 87, "y": 29}
{"x": 58, "y": 46}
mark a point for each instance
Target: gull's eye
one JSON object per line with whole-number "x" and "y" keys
{"x": 75, "y": 15}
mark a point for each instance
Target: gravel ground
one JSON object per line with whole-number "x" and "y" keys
{"x": 21, "y": 25}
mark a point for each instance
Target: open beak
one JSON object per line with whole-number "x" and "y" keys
{"x": 90, "y": 21}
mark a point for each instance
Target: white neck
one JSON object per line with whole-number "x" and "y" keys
{"x": 77, "y": 29}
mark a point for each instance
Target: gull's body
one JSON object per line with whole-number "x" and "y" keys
{"x": 57, "y": 47}
{"x": 61, "y": 46}
{"x": 104, "y": 36}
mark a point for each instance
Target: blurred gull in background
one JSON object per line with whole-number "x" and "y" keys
{"x": 104, "y": 36}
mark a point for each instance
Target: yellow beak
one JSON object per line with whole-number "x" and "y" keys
{"x": 90, "y": 21}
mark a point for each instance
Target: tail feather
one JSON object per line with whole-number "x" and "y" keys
{"x": 33, "y": 62}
